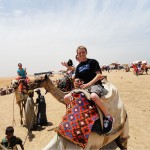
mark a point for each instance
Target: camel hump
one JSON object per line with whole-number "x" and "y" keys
{"x": 112, "y": 90}
{"x": 114, "y": 105}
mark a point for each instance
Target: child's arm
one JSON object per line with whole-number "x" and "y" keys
{"x": 19, "y": 141}
{"x": 21, "y": 145}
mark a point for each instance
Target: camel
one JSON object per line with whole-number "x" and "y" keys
{"x": 114, "y": 105}
{"x": 20, "y": 97}
{"x": 120, "y": 132}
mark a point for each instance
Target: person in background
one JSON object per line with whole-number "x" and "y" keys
{"x": 65, "y": 83}
{"x": 139, "y": 66}
{"x": 29, "y": 111}
{"x": 11, "y": 141}
{"x": 41, "y": 114}
{"x": 70, "y": 67}
{"x": 88, "y": 76}
{"x": 135, "y": 69}
{"x": 22, "y": 78}
{"x": 108, "y": 69}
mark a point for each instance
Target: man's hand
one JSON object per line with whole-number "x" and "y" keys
{"x": 64, "y": 64}
{"x": 84, "y": 86}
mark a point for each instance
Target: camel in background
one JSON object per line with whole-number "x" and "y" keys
{"x": 42, "y": 82}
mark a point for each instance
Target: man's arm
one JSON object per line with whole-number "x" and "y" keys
{"x": 68, "y": 67}
{"x": 97, "y": 78}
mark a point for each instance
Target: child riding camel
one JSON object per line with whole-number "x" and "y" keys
{"x": 22, "y": 78}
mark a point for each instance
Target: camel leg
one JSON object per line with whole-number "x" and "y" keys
{"x": 146, "y": 70}
{"x": 21, "y": 113}
{"x": 52, "y": 144}
{"x": 20, "y": 108}
{"x": 121, "y": 143}
{"x": 23, "y": 107}
{"x": 60, "y": 143}
{"x": 122, "y": 140}
{"x": 24, "y": 104}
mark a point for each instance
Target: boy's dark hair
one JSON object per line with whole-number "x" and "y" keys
{"x": 70, "y": 63}
{"x": 9, "y": 129}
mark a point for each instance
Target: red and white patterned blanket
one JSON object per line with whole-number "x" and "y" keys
{"x": 77, "y": 123}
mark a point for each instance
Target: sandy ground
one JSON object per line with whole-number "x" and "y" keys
{"x": 134, "y": 91}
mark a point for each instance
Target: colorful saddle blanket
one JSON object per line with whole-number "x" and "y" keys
{"x": 77, "y": 123}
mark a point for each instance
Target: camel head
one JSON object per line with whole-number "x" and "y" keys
{"x": 46, "y": 83}
{"x": 14, "y": 84}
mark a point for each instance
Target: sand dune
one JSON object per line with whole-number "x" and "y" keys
{"x": 134, "y": 91}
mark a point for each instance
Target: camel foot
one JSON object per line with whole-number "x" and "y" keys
{"x": 122, "y": 142}
{"x": 21, "y": 122}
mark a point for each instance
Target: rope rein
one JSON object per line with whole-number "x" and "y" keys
{"x": 13, "y": 121}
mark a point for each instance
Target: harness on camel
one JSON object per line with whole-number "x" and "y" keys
{"x": 23, "y": 85}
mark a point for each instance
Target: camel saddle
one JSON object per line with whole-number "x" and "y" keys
{"x": 79, "y": 119}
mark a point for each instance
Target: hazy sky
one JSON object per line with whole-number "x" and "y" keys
{"x": 42, "y": 33}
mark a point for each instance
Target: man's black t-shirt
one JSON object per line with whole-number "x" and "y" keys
{"x": 87, "y": 70}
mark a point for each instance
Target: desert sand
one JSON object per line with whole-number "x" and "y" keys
{"x": 134, "y": 91}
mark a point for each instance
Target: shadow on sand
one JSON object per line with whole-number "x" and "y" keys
{"x": 42, "y": 127}
{"x": 31, "y": 136}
